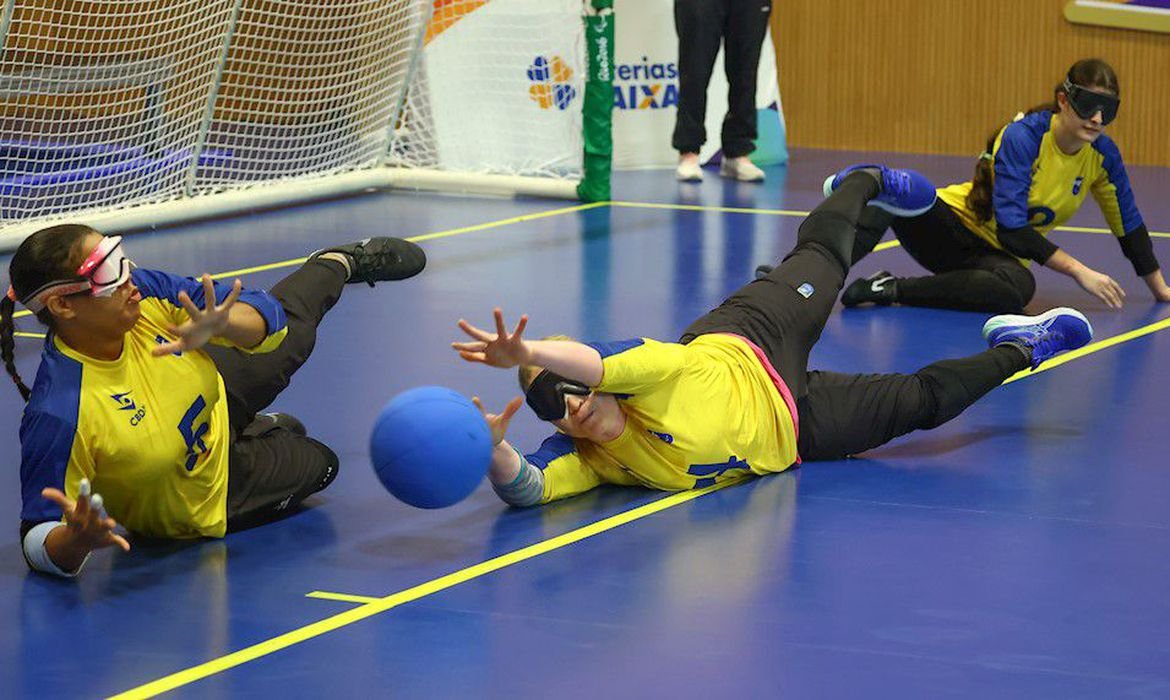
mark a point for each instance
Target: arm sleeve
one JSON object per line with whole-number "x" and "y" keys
{"x": 48, "y": 446}
{"x": 1114, "y": 196}
{"x": 562, "y": 468}
{"x": 1026, "y": 243}
{"x": 166, "y": 287}
{"x": 1015, "y": 152}
{"x": 633, "y": 366}
{"x": 527, "y": 489}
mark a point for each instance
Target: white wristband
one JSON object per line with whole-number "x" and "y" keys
{"x": 38, "y": 556}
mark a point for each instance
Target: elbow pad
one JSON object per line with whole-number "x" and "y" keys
{"x": 1027, "y": 243}
{"x": 527, "y": 489}
{"x": 1137, "y": 247}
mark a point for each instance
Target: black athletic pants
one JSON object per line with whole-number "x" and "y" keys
{"x": 969, "y": 274}
{"x": 784, "y": 312}
{"x": 273, "y": 469}
{"x": 702, "y": 25}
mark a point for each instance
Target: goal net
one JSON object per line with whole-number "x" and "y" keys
{"x": 133, "y": 113}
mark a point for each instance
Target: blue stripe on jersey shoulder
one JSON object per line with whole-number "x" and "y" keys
{"x": 1114, "y": 168}
{"x": 163, "y": 285}
{"x": 1019, "y": 146}
{"x": 554, "y": 446}
{"x": 47, "y": 430}
{"x": 616, "y": 347}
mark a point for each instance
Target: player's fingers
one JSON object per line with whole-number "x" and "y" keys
{"x": 477, "y": 333}
{"x": 192, "y": 310}
{"x": 513, "y": 406}
{"x": 56, "y": 496}
{"x": 520, "y": 326}
{"x": 119, "y": 540}
{"x": 233, "y": 296}
{"x": 501, "y": 329}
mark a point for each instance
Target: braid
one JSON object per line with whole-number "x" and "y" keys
{"x": 7, "y": 346}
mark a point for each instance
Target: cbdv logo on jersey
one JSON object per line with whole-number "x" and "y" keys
{"x": 550, "y": 87}
{"x": 645, "y": 85}
{"x": 125, "y": 403}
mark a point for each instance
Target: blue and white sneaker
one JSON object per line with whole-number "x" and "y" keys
{"x": 1048, "y": 334}
{"x": 904, "y": 192}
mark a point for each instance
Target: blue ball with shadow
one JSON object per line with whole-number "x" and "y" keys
{"x": 431, "y": 447}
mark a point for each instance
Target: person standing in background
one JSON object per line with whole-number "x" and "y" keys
{"x": 702, "y": 25}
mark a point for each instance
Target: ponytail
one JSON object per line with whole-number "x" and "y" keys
{"x": 8, "y": 346}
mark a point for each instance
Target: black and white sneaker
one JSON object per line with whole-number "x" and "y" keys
{"x": 380, "y": 259}
{"x": 878, "y": 288}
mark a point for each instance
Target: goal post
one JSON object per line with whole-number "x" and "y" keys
{"x": 128, "y": 114}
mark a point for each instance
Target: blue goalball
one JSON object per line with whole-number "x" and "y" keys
{"x": 430, "y": 447}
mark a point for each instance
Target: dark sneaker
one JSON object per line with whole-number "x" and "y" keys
{"x": 904, "y": 192}
{"x": 265, "y": 423}
{"x": 878, "y": 288}
{"x": 380, "y": 259}
{"x": 1046, "y": 335}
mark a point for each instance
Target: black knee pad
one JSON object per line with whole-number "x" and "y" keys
{"x": 832, "y": 232}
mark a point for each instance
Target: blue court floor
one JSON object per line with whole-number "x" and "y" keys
{"x": 1020, "y": 551}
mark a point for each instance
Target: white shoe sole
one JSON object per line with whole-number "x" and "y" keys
{"x": 1019, "y": 320}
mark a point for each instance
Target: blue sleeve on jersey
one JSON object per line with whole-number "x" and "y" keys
{"x": 45, "y": 444}
{"x": 554, "y": 446}
{"x": 1114, "y": 168}
{"x": 1018, "y": 148}
{"x": 47, "y": 431}
{"x": 163, "y": 285}
{"x": 616, "y": 347}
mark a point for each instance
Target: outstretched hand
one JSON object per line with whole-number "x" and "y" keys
{"x": 498, "y": 422}
{"x": 1103, "y": 287}
{"x": 205, "y": 323}
{"x": 89, "y": 526}
{"x": 500, "y": 349}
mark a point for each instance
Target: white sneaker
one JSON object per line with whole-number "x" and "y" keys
{"x": 689, "y": 171}
{"x": 741, "y": 169}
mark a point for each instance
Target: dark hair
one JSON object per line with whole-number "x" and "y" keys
{"x": 47, "y": 255}
{"x": 1088, "y": 72}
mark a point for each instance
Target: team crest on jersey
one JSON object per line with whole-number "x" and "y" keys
{"x": 1077, "y": 185}
{"x": 665, "y": 437}
{"x": 125, "y": 403}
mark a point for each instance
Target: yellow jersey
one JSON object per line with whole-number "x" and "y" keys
{"x": 696, "y": 414}
{"x": 150, "y": 433}
{"x": 1036, "y": 184}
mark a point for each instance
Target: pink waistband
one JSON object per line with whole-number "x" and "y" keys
{"x": 780, "y": 385}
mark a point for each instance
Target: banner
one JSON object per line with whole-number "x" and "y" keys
{"x": 1144, "y": 15}
{"x": 645, "y": 87}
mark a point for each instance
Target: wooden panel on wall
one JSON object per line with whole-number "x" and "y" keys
{"x": 936, "y": 77}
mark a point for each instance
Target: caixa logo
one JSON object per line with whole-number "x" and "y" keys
{"x": 550, "y": 83}
{"x": 645, "y": 85}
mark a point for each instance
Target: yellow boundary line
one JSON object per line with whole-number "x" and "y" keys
{"x": 380, "y": 605}
{"x": 370, "y": 606}
{"x": 343, "y": 597}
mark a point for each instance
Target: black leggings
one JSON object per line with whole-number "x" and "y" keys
{"x": 702, "y": 25}
{"x": 969, "y": 274}
{"x": 269, "y": 471}
{"x": 784, "y": 312}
